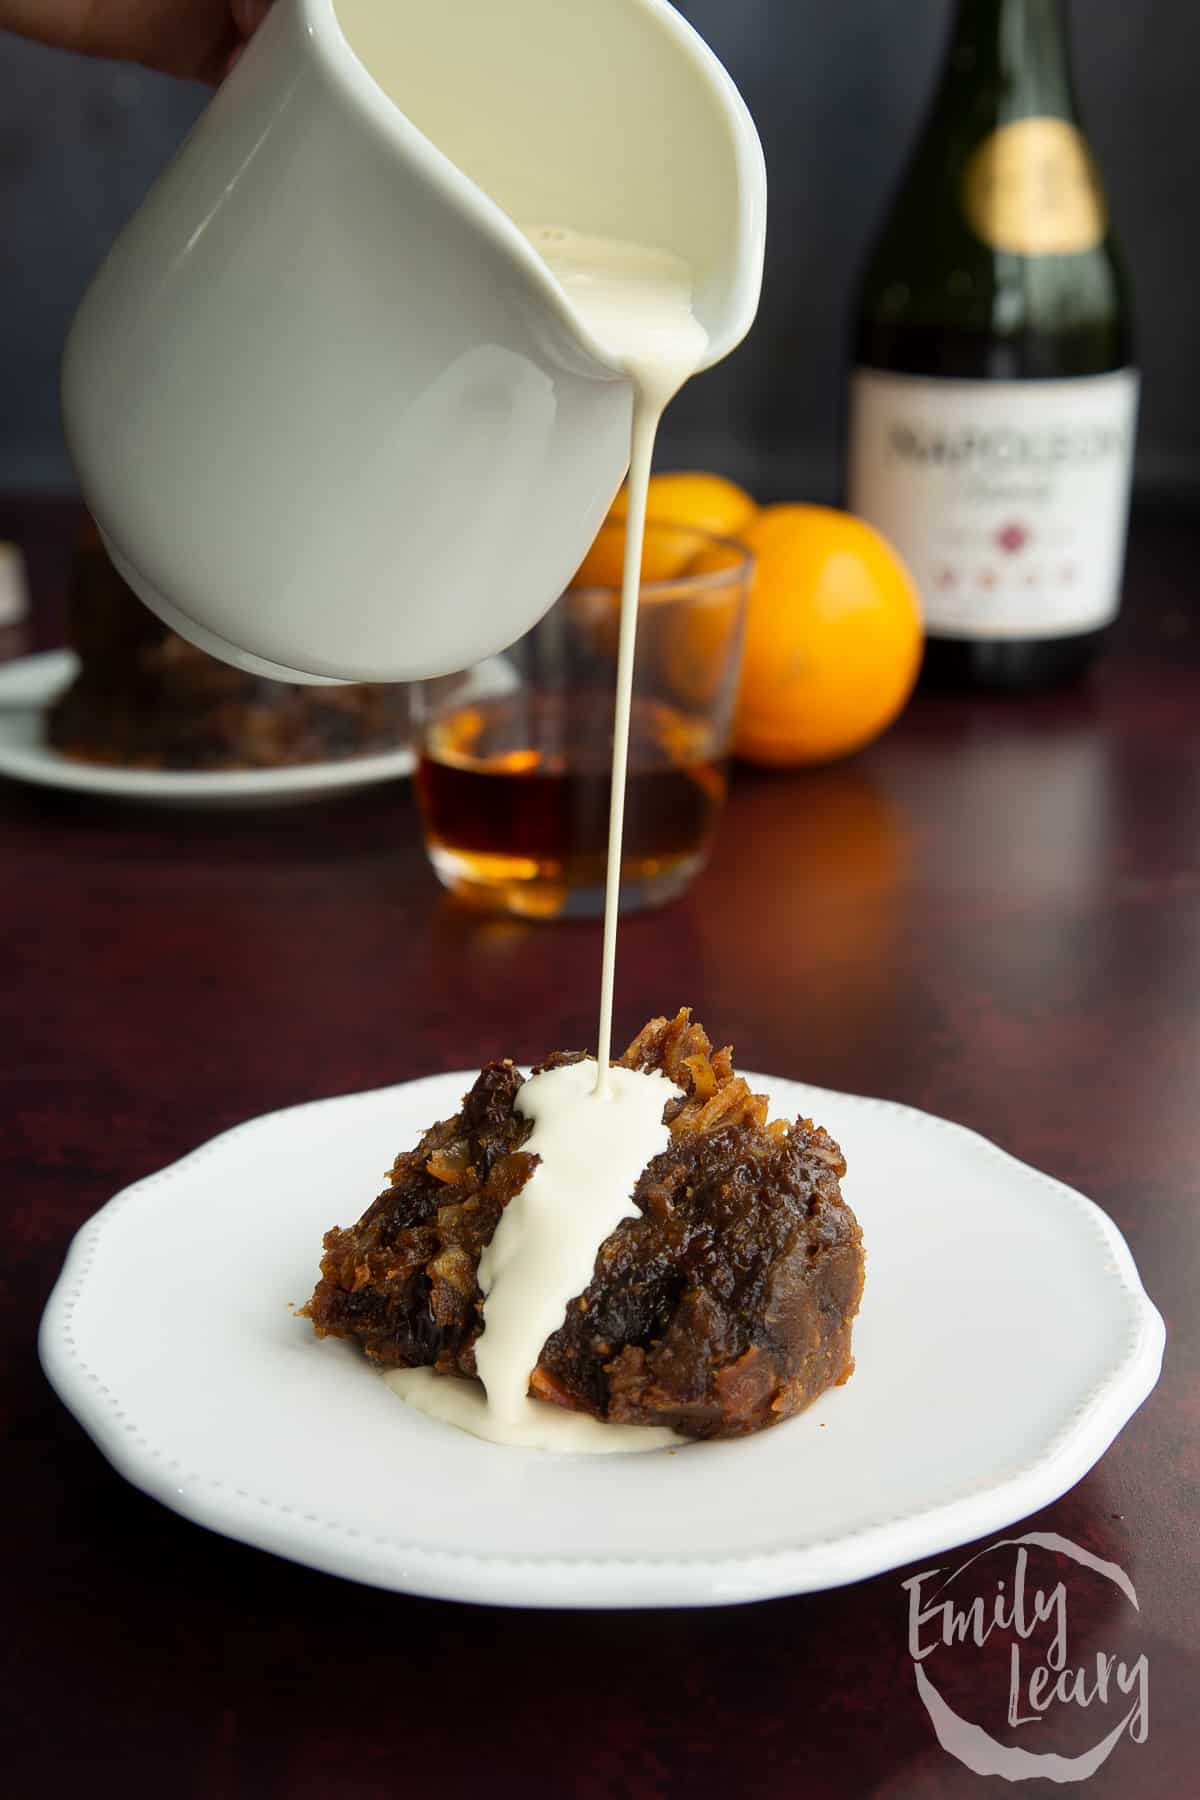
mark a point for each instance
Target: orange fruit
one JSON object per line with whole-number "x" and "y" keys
{"x": 705, "y": 502}
{"x": 833, "y": 637}
{"x": 699, "y": 640}
{"x": 698, "y": 650}
{"x": 665, "y": 555}
{"x": 676, "y": 506}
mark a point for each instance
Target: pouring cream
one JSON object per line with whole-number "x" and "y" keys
{"x": 594, "y": 1127}
{"x": 637, "y": 303}
{"x": 592, "y": 1148}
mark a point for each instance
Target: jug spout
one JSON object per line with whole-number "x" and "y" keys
{"x": 333, "y": 415}
{"x": 614, "y": 119}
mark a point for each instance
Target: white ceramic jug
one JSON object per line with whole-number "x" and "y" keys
{"x": 332, "y": 413}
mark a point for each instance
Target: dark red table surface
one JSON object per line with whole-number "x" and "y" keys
{"x": 994, "y": 914}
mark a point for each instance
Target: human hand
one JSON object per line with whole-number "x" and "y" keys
{"x": 197, "y": 39}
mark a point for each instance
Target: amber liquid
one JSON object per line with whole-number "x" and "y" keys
{"x": 515, "y": 797}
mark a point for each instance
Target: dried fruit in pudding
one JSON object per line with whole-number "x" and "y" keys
{"x": 724, "y": 1306}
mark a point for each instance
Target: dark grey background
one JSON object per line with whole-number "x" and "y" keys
{"x": 837, "y": 87}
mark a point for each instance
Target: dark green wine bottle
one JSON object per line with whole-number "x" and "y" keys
{"x": 993, "y": 398}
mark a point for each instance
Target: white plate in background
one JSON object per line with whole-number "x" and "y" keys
{"x": 30, "y": 683}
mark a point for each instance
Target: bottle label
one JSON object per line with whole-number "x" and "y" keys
{"x": 1008, "y": 500}
{"x": 1031, "y": 187}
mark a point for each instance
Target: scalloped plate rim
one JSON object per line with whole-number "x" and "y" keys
{"x": 611, "y": 1581}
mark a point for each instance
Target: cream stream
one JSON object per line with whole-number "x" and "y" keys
{"x": 594, "y": 1127}
{"x": 637, "y": 303}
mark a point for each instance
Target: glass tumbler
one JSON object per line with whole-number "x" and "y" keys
{"x": 513, "y": 774}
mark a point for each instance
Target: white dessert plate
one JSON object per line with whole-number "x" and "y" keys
{"x": 1004, "y": 1339}
{"x": 28, "y": 685}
